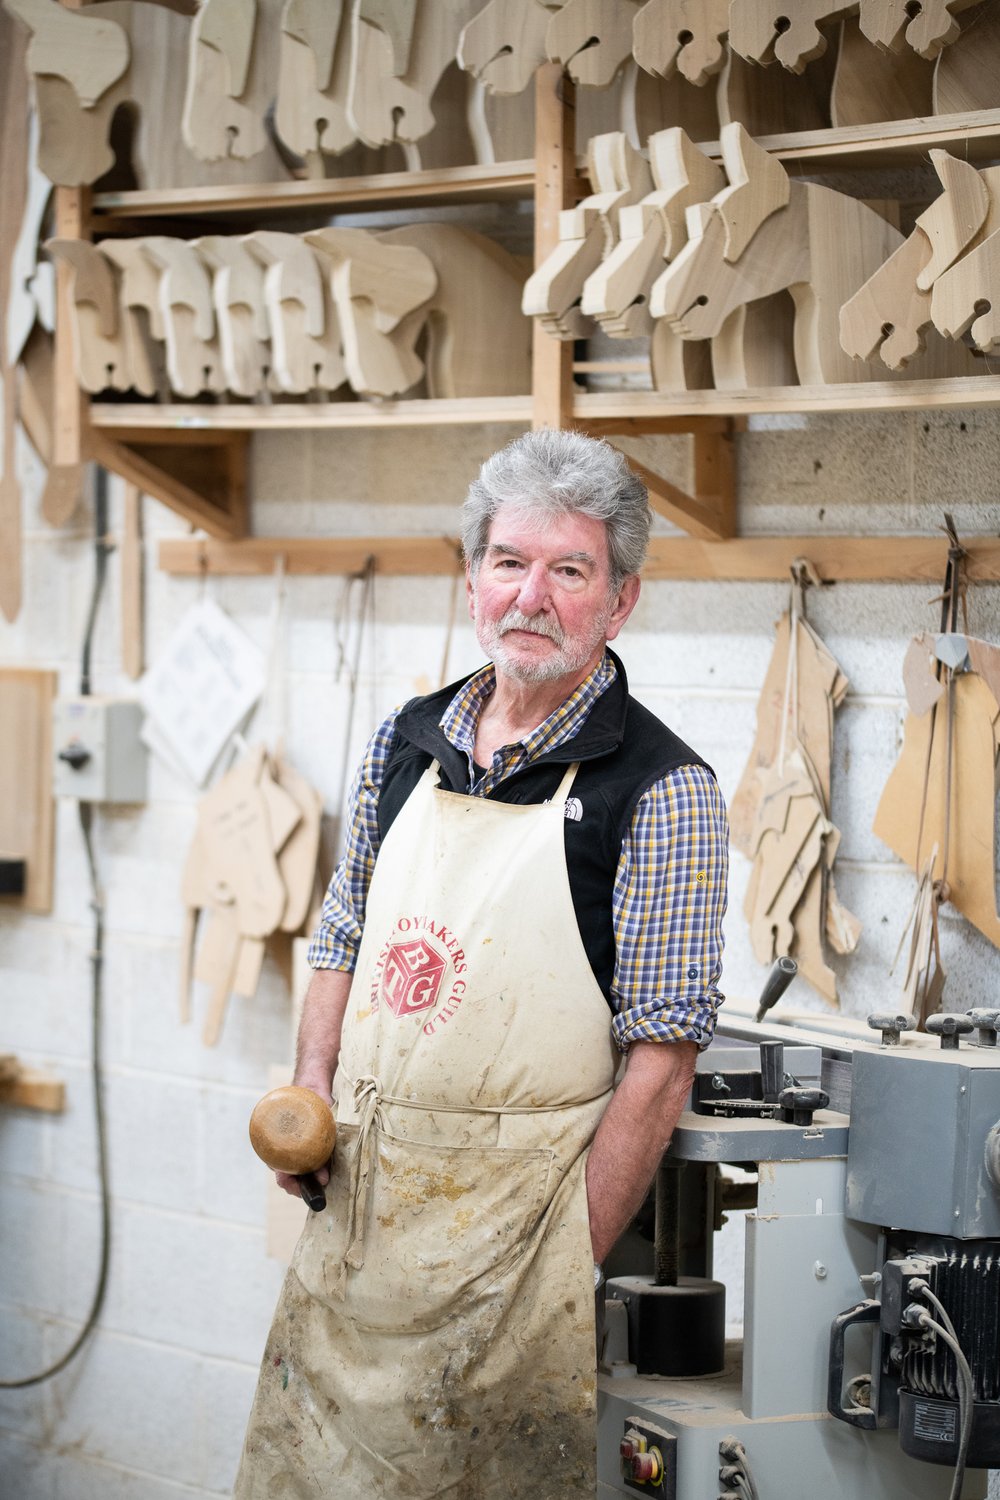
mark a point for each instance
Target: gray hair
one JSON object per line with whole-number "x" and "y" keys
{"x": 549, "y": 473}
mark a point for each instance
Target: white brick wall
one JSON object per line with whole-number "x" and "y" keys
{"x": 155, "y": 1408}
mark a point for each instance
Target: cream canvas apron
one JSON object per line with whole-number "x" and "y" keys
{"x": 435, "y": 1335}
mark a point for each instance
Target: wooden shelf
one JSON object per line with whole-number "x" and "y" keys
{"x": 130, "y": 419}
{"x": 607, "y": 411}
{"x": 974, "y": 136}
{"x": 897, "y": 559}
{"x": 504, "y": 180}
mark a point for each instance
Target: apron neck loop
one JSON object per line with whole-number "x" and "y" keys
{"x": 367, "y": 1102}
{"x": 565, "y": 785}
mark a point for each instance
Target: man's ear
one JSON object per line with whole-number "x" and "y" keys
{"x": 470, "y": 592}
{"x": 628, "y": 598}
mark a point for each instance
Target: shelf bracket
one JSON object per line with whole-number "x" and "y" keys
{"x": 710, "y": 512}
{"x": 200, "y": 475}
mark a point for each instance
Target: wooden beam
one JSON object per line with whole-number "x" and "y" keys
{"x": 202, "y": 480}
{"x": 837, "y": 559}
{"x": 840, "y": 559}
{"x": 32, "y": 1088}
{"x": 555, "y": 179}
{"x": 867, "y": 396}
{"x": 127, "y": 419}
{"x": 412, "y": 556}
{"x": 709, "y": 512}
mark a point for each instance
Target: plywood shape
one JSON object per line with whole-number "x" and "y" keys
{"x": 758, "y": 186}
{"x": 967, "y": 75}
{"x": 385, "y": 106}
{"x": 822, "y": 247}
{"x": 688, "y": 36}
{"x": 13, "y": 194}
{"x": 927, "y": 27}
{"x": 305, "y": 334}
{"x": 240, "y": 314}
{"x": 772, "y": 30}
{"x": 90, "y": 52}
{"x": 958, "y": 218}
{"x": 964, "y": 299}
{"x": 478, "y": 344}
{"x": 310, "y": 113}
{"x": 216, "y": 123}
{"x": 504, "y": 44}
{"x": 756, "y": 346}
{"x": 970, "y": 870}
{"x": 26, "y": 807}
{"x": 592, "y": 39}
{"x": 36, "y": 392}
{"x": 193, "y": 356}
{"x": 773, "y": 101}
{"x": 871, "y": 85}
{"x": 142, "y": 326}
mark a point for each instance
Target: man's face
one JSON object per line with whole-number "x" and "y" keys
{"x": 541, "y": 601}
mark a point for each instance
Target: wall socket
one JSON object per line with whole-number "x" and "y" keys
{"x": 98, "y": 755}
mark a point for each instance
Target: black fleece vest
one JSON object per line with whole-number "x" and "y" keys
{"x": 622, "y": 749}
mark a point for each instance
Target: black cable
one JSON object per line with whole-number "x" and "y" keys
{"x": 102, "y": 550}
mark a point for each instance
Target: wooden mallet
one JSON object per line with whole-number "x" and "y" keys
{"x": 292, "y": 1130}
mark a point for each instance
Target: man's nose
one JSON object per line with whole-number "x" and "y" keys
{"x": 533, "y": 594}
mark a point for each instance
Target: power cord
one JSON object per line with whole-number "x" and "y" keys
{"x": 736, "y": 1472}
{"x": 945, "y": 1330}
{"x": 103, "y": 549}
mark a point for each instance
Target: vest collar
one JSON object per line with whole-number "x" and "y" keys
{"x": 419, "y": 721}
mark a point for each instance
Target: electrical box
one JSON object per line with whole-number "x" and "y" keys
{"x": 99, "y": 756}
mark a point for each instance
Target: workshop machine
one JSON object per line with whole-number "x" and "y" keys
{"x": 869, "y": 1367}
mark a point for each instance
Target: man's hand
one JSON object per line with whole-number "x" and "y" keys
{"x": 634, "y": 1134}
{"x": 318, "y": 1049}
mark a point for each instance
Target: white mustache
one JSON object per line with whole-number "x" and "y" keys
{"x": 514, "y": 620}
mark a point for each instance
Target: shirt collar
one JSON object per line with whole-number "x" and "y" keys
{"x": 461, "y": 717}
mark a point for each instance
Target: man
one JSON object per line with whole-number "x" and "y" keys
{"x": 534, "y": 883}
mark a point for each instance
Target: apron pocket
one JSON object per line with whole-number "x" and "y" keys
{"x": 443, "y": 1223}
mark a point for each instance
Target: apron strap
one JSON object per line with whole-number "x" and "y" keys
{"x": 565, "y": 785}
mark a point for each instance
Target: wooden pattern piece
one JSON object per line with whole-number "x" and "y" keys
{"x": 13, "y": 193}
{"x": 194, "y": 362}
{"x": 376, "y": 287}
{"x": 963, "y": 212}
{"x": 100, "y": 354}
{"x": 587, "y": 234}
{"x": 970, "y": 869}
{"x": 758, "y": 187}
{"x": 688, "y": 36}
{"x": 384, "y": 106}
{"x": 650, "y": 232}
{"x": 478, "y": 344}
{"x": 504, "y": 44}
{"x": 870, "y": 85}
{"x": 141, "y": 322}
{"x": 32, "y": 283}
{"x": 766, "y": 30}
{"x": 967, "y": 74}
{"x": 130, "y": 561}
{"x": 821, "y": 247}
{"x": 27, "y": 814}
{"x": 592, "y": 39}
{"x": 36, "y": 392}
{"x": 306, "y": 340}
{"x": 90, "y": 52}
{"x": 775, "y": 101}
{"x": 965, "y": 300}
{"x": 240, "y": 314}
{"x": 927, "y": 28}
{"x": 216, "y": 123}
{"x": 310, "y": 114}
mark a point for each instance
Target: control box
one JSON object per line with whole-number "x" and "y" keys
{"x": 99, "y": 756}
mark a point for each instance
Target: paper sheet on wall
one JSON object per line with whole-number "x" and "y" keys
{"x": 200, "y": 689}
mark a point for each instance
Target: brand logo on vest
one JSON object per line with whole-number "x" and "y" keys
{"x": 412, "y": 971}
{"x": 574, "y": 809}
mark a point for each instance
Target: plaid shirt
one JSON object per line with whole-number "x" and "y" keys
{"x": 669, "y": 895}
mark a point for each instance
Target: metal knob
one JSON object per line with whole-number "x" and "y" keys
{"x": 647, "y": 1468}
{"x": 75, "y": 755}
{"x": 798, "y": 1105}
{"x": 985, "y": 1022}
{"x": 950, "y": 1028}
{"x": 891, "y": 1027}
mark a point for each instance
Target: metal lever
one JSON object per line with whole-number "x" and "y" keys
{"x": 783, "y": 971}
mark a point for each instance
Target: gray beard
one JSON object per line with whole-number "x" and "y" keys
{"x": 554, "y": 666}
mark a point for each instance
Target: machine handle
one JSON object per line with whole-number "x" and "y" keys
{"x": 857, "y": 1416}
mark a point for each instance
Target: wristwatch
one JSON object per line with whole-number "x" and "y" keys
{"x": 598, "y": 1277}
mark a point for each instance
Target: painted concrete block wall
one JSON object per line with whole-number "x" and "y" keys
{"x": 155, "y": 1407}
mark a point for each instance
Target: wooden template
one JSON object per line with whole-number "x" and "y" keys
{"x": 27, "y": 812}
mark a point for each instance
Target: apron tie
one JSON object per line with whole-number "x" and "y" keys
{"x": 367, "y": 1103}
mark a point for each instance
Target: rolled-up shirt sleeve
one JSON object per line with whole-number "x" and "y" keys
{"x": 337, "y": 938}
{"x": 669, "y": 902}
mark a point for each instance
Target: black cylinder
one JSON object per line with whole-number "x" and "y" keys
{"x": 674, "y": 1330}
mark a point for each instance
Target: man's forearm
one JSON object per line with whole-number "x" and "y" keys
{"x": 634, "y": 1134}
{"x": 319, "y": 1030}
